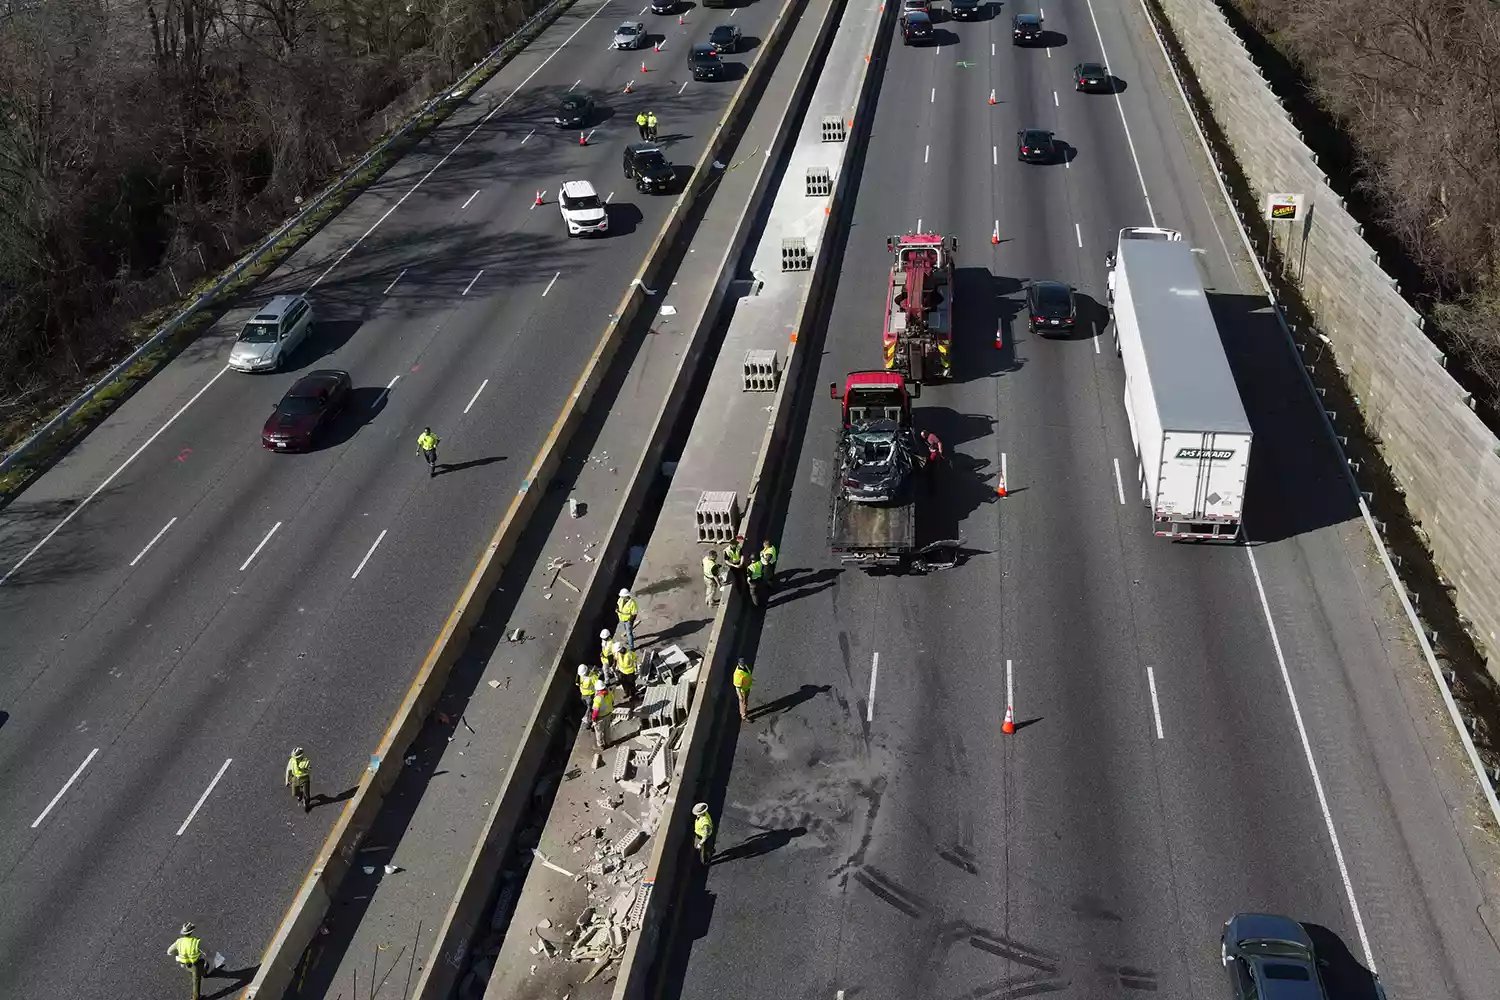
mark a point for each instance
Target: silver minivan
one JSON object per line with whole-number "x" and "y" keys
{"x": 272, "y": 334}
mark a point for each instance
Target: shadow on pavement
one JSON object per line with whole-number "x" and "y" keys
{"x": 789, "y": 701}
{"x": 760, "y": 844}
{"x": 1342, "y": 973}
{"x": 443, "y": 468}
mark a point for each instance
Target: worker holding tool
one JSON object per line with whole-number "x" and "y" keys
{"x": 703, "y": 832}
{"x": 187, "y": 951}
{"x": 587, "y": 676}
{"x": 427, "y": 443}
{"x": 627, "y": 611}
{"x": 713, "y": 581}
{"x": 626, "y": 662}
{"x": 601, "y": 711}
{"x": 299, "y": 777}
{"x": 734, "y": 559}
{"x": 742, "y": 682}
{"x": 768, "y": 555}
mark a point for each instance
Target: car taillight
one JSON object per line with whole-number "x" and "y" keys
{"x": 1025, "y": 149}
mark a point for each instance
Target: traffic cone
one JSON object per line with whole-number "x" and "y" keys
{"x": 1000, "y": 486}
{"x": 583, "y": 140}
{"x": 992, "y": 98}
{"x": 999, "y": 342}
{"x": 538, "y": 199}
{"x": 995, "y": 235}
{"x": 656, "y": 47}
{"x": 629, "y": 86}
{"x": 643, "y": 67}
{"x": 1008, "y": 727}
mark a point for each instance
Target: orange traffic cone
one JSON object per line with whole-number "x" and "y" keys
{"x": 643, "y": 67}
{"x": 656, "y": 47}
{"x": 629, "y": 86}
{"x": 999, "y": 345}
{"x": 1000, "y": 486}
{"x": 538, "y": 199}
{"x": 995, "y": 235}
{"x": 992, "y": 98}
{"x": 583, "y": 140}
{"x": 1008, "y": 727}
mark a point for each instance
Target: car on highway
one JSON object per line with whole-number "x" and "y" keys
{"x": 726, "y": 38}
{"x": 1050, "y": 307}
{"x": 704, "y": 62}
{"x": 663, "y": 6}
{"x": 719, "y": 3}
{"x": 910, "y": 6}
{"x": 877, "y": 462}
{"x": 582, "y": 210}
{"x": 966, "y": 10}
{"x": 271, "y": 334}
{"x": 1035, "y": 145}
{"x": 1026, "y": 29}
{"x": 306, "y": 410}
{"x": 1092, "y": 76}
{"x": 648, "y": 166}
{"x": 575, "y": 111}
{"x": 630, "y": 35}
{"x": 1269, "y": 958}
{"x": 916, "y": 28}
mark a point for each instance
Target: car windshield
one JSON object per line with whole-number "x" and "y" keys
{"x": 301, "y": 406}
{"x": 572, "y": 103}
{"x": 1093, "y": 69}
{"x": 1052, "y": 297}
{"x": 1271, "y": 946}
{"x": 722, "y": 33}
{"x": 1026, "y": 21}
{"x": 650, "y": 161}
{"x": 877, "y": 448}
{"x": 258, "y": 333}
{"x": 1035, "y": 138}
{"x": 627, "y": 29}
{"x": 581, "y": 202}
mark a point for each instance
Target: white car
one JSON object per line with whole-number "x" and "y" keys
{"x": 582, "y": 210}
{"x": 271, "y": 335}
{"x": 630, "y": 35}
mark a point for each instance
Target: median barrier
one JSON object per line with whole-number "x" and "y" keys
{"x": 300, "y": 924}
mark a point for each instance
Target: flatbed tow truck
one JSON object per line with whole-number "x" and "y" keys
{"x": 882, "y": 534}
{"x": 918, "y": 334}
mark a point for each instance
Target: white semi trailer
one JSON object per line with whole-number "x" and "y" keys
{"x": 1191, "y": 435}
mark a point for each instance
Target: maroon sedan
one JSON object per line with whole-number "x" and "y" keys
{"x": 307, "y": 408}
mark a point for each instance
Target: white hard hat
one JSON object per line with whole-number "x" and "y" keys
{"x": 296, "y": 751}
{"x": 624, "y": 592}
{"x": 187, "y": 928}
{"x": 700, "y": 809}
{"x": 583, "y": 670}
{"x": 605, "y": 633}
{"x": 599, "y": 685}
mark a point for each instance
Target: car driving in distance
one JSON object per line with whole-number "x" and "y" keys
{"x": 575, "y": 111}
{"x": 916, "y": 28}
{"x": 1026, "y": 29}
{"x": 648, "y": 166}
{"x": 1050, "y": 307}
{"x": 704, "y": 61}
{"x": 306, "y": 410}
{"x": 725, "y": 38}
{"x": 1091, "y": 77}
{"x": 271, "y": 335}
{"x": 663, "y": 6}
{"x": 630, "y": 35}
{"x": 1035, "y": 145}
{"x": 582, "y": 210}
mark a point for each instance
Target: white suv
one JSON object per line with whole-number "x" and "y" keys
{"x": 582, "y": 210}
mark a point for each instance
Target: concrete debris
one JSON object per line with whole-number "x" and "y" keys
{"x": 622, "y": 764}
{"x": 633, "y": 786}
{"x": 659, "y": 774}
{"x": 369, "y": 869}
{"x": 516, "y": 635}
{"x": 629, "y": 843}
{"x": 557, "y": 868}
{"x": 544, "y": 924}
{"x": 598, "y": 760}
{"x": 494, "y": 684}
{"x": 392, "y": 869}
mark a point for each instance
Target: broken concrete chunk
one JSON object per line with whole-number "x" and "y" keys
{"x": 633, "y": 787}
{"x": 629, "y": 843}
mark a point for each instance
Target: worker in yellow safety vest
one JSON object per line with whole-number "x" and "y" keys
{"x": 713, "y": 580}
{"x": 606, "y": 649}
{"x": 755, "y": 577}
{"x": 427, "y": 443}
{"x": 601, "y": 711}
{"x": 627, "y": 611}
{"x": 640, "y": 123}
{"x": 768, "y": 556}
{"x": 742, "y": 682}
{"x": 587, "y": 676}
{"x": 187, "y": 951}
{"x": 734, "y": 559}
{"x": 299, "y": 777}
{"x": 703, "y": 832}
{"x": 626, "y": 662}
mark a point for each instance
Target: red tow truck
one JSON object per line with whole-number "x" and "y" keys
{"x": 918, "y": 338}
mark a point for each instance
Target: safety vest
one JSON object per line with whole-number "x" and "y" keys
{"x": 604, "y": 704}
{"x": 703, "y": 827}
{"x": 626, "y": 608}
{"x": 734, "y": 555}
{"x": 768, "y": 554}
{"x": 606, "y": 650}
{"x": 628, "y": 660}
{"x": 640, "y": 119}
{"x": 756, "y": 570}
{"x": 586, "y": 685}
{"x": 651, "y": 120}
{"x": 742, "y": 678}
{"x": 298, "y": 767}
{"x": 426, "y": 441}
{"x": 188, "y": 950}
{"x": 710, "y": 567}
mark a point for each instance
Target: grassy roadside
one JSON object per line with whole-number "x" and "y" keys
{"x": 108, "y": 397}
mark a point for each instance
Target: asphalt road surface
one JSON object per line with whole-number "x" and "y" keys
{"x": 180, "y": 607}
{"x": 1202, "y": 729}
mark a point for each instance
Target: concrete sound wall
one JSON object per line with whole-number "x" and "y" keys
{"x": 1445, "y": 458}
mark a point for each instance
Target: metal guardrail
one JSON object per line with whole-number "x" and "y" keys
{"x": 459, "y": 90}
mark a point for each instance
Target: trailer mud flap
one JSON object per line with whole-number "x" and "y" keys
{"x": 938, "y": 555}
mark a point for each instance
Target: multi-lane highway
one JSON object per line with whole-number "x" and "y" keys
{"x": 1203, "y": 730}
{"x": 180, "y": 607}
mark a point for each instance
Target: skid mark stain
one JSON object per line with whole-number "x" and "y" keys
{"x": 959, "y": 857}
{"x": 182, "y": 456}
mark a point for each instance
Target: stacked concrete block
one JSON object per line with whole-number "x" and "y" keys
{"x": 717, "y": 516}
{"x": 762, "y": 371}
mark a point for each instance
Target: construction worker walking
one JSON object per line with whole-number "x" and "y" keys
{"x": 601, "y": 710}
{"x": 299, "y": 777}
{"x": 626, "y": 662}
{"x": 755, "y": 578}
{"x": 587, "y": 677}
{"x": 742, "y": 682}
{"x": 768, "y": 556}
{"x": 734, "y": 559}
{"x": 713, "y": 579}
{"x": 627, "y": 611}
{"x": 703, "y": 832}
{"x": 651, "y": 125}
{"x": 187, "y": 951}
{"x": 640, "y": 123}
{"x": 427, "y": 443}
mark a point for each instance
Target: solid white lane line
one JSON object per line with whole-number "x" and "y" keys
{"x": 1078, "y": 233}
{"x": 448, "y": 155}
{"x": 378, "y": 539}
{"x": 64, "y": 789}
{"x": 471, "y": 404}
{"x": 1312, "y": 765}
{"x": 1010, "y": 694}
{"x": 550, "y": 284}
{"x": 1120, "y": 107}
{"x": 251, "y": 558}
{"x": 386, "y": 391}
{"x": 926, "y": 153}
{"x": 393, "y": 283}
{"x": 471, "y": 198}
{"x": 870, "y": 705}
{"x": 1119, "y": 483}
{"x": 110, "y": 478}
{"x": 995, "y": 156}
{"x": 471, "y": 282}
{"x": 156, "y": 538}
{"x": 204, "y": 797}
{"x": 933, "y": 98}
{"x": 1155, "y": 705}
{"x": 1054, "y": 100}
{"x": 528, "y": 136}
{"x": 1002, "y": 467}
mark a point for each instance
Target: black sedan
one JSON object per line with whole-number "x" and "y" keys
{"x": 966, "y": 10}
{"x": 1092, "y": 77}
{"x": 1035, "y": 145}
{"x": 1026, "y": 29}
{"x": 649, "y": 167}
{"x": 726, "y": 38}
{"x": 308, "y": 407}
{"x": 575, "y": 111}
{"x": 1050, "y": 307}
{"x": 1269, "y": 958}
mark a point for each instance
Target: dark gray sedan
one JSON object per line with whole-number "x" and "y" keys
{"x": 1269, "y": 958}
